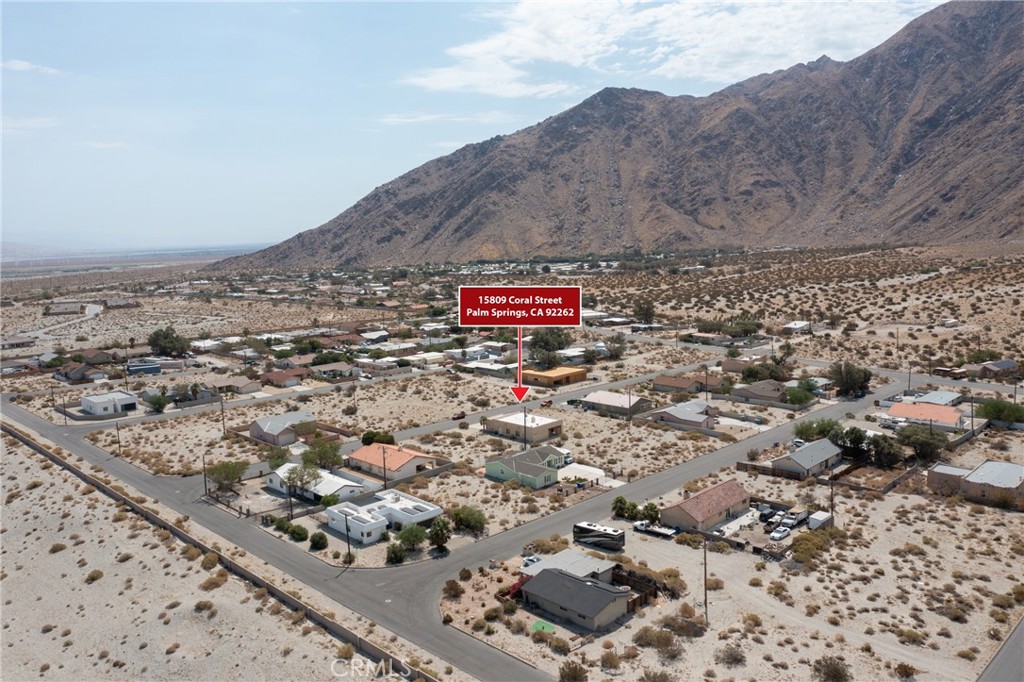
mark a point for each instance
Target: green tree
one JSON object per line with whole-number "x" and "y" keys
{"x": 277, "y": 456}
{"x": 370, "y": 437}
{"x": 885, "y": 451}
{"x": 318, "y": 541}
{"x": 469, "y": 519}
{"x": 167, "y": 342}
{"x": 323, "y": 454}
{"x": 158, "y": 403}
{"x": 926, "y": 442}
{"x": 763, "y": 371}
{"x": 650, "y": 512}
{"x": 849, "y": 378}
{"x": 795, "y": 396}
{"x": 329, "y": 500}
{"x": 550, "y": 339}
{"x": 1001, "y": 410}
{"x": 302, "y": 477}
{"x": 223, "y": 474}
{"x": 733, "y": 353}
{"x": 619, "y": 506}
{"x": 411, "y": 536}
{"x": 545, "y": 359}
{"x": 440, "y": 533}
{"x": 616, "y": 346}
{"x": 643, "y": 310}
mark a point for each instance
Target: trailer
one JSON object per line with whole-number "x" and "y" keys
{"x": 599, "y": 536}
{"x": 819, "y": 519}
{"x": 655, "y": 529}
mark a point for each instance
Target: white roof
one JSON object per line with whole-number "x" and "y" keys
{"x": 517, "y": 419}
{"x": 329, "y": 484}
{"x": 110, "y": 395}
{"x": 998, "y": 474}
{"x": 571, "y": 561}
{"x": 279, "y": 422}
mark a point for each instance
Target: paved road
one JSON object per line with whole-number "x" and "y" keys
{"x": 405, "y": 599}
{"x": 1008, "y": 663}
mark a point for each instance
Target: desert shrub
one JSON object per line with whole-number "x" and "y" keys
{"x": 715, "y": 583}
{"x": 465, "y": 574}
{"x": 610, "y": 661}
{"x": 93, "y": 576}
{"x": 648, "y": 636}
{"x": 755, "y": 582}
{"x": 656, "y": 676}
{"x": 730, "y": 655}
{"x": 967, "y": 654}
{"x": 191, "y": 552}
{"x": 905, "y": 670}
{"x": 492, "y": 614}
{"x": 572, "y": 671}
{"x": 204, "y": 605}
{"x": 395, "y": 553}
{"x": 318, "y": 541}
{"x": 1003, "y": 601}
{"x": 517, "y": 626}
{"x": 346, "y": 651}
{"x": 214, "y": 581}
{"x": 453, "y": 590}
{"x": 298, "y": 533}
{"x": 57, "y": 547}
{"x": 559, "y": 645}
{"x": 692, "y": 539}
{"x": 282, "y": 525}
{"x": 831, "y": 669}
{"x": 210, "y": 560}
{"x": 509, "y": 607}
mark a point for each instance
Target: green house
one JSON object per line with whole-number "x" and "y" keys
{"x": 535, "y": 468}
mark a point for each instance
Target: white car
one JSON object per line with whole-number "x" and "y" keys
{"x": 780, "y": 533}
{"x": 530, "y": 560}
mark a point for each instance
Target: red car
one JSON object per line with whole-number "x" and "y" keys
{"x": 459, "y": 415}
{"x": 545, "y": 403}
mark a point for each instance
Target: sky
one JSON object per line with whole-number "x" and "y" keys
{"x": 163, "y": 125}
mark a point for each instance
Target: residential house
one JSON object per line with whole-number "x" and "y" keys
{"x": 999, "y": 368}
{"x": 296, "y": 361}
{"x": 285, "y": 378}
{"x": 991, "y": 482}
{"x": 234, "y": 384}
{"x": 737, "y": 365}
{"x": 769, "y": 390}
{"x": 710, "y": 338}
{"x": 695, "y": 414}
{"x": 94, "y": 356}
{"x": 574, "y": 562}
{"x": 64, "y": 309}
{"x": 529, "y": 428}
{"x": 12, "y": 342}
{"x": 367, "y": 524}
{"x": 607, "y": 402}
{"x": 821, "y": 385}
{"x": 78, "y": 373}
{"x": 557, "y": 376}
{"x": 939, "y": 416}
{"x": 335, "y": 370}
{"x": 113, "y": 402}
{"x": 391, "y": 462}
{"x": 279, "y": 429}
{"x": 677, "y": 384}
{"x": 535, "y": 468}
{"x": 377, "y": 336}
{"x": 810, "y": 459}
{"x": 796, "y": 327}
{"x": 329, "y": 484}
{"x": 706, "y": 509}
{"x": 589, "y": 603}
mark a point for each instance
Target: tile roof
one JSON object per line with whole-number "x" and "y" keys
{"x": 711, "y": 501}
{"x": 397, "y": 457}
{"x": 940, "y": 414}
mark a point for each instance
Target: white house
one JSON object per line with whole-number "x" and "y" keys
{"x": 109, "y": 403}
{"x": 390, "y": 507}
{"x": 797, "y": 327}
{"x": 329, "y": 484}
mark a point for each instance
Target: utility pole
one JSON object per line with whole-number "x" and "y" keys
{"x": 223, "y": 421}
{"x": 707, "y": 619}
{"x": 832, "y": 497}
{"x": 971, "y": 394}
{"x": 117, "y": 427}
{"x": 384, "y": 458}
{"x": 206, "y": 486}
{"x": 910, "y": 371}
{"x": 706, "y": 389}
{"x": 348, "y": 540}
{"x": 64, "y": 405}
{"x": 526, "y": 440}
{"x": 897, "y": 339}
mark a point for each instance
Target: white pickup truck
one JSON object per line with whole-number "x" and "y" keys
{"x": 654, "y": 529}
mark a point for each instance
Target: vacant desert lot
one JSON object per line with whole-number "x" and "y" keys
{"x": 94, "y": 592}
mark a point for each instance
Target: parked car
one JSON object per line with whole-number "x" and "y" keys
{"x": 799, "y": 442}
{"x": 780, "y": 533}
{"x": 546, "y": 403}
{"x": 530, "y": 560}
{"x": 461, "y": 414}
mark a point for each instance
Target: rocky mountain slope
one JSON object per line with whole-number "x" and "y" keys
{"x": 918, "y": 140}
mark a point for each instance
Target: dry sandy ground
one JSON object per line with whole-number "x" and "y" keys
{"x": 895, "y": 593}
{"x": 93, "y": 592}
{"x": 122, "y": 625}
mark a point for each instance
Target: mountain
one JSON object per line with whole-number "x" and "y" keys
{"x": 918, "y": 140}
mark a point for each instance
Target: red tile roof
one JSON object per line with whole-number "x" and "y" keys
{"x": 710, "y": 502}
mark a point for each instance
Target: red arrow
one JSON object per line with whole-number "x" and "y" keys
{"x": 520, "y": 391}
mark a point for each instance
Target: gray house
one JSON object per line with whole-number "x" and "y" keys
{"x": 810, "y": 459}
{"x": 589, "y": 603}
{"x": 536, "y": 467}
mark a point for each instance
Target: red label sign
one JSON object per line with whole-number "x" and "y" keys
{"x": 514, "y": 306}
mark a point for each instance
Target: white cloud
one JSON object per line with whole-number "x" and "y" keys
{"x": 16, "y": 126}
{"x": 714, "y": 42}
{"x": 482, "y": 117}
{"x": 22, "y": 65}
{"x": 106, "y": 145}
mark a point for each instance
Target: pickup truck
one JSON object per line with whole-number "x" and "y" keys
{"x": 794, "y": 517}
{"x": 654, "y": 529}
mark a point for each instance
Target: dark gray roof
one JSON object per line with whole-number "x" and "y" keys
{"x": 585, "y": 596}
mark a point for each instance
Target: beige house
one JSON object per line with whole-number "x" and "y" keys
{"x": 237, "y": 384}
{"x": 992, "y": 482}
{"x": 589, "y": 603}
{"x": 529, "y": 427}
{"x": 390, "y": 462}
{"x": 620, "y": 404}
{"x": 279, "y": 429}
{"x": 769, "y": 390}
{"x": 550, "y": 378}
{"x": 708, "y": 508}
